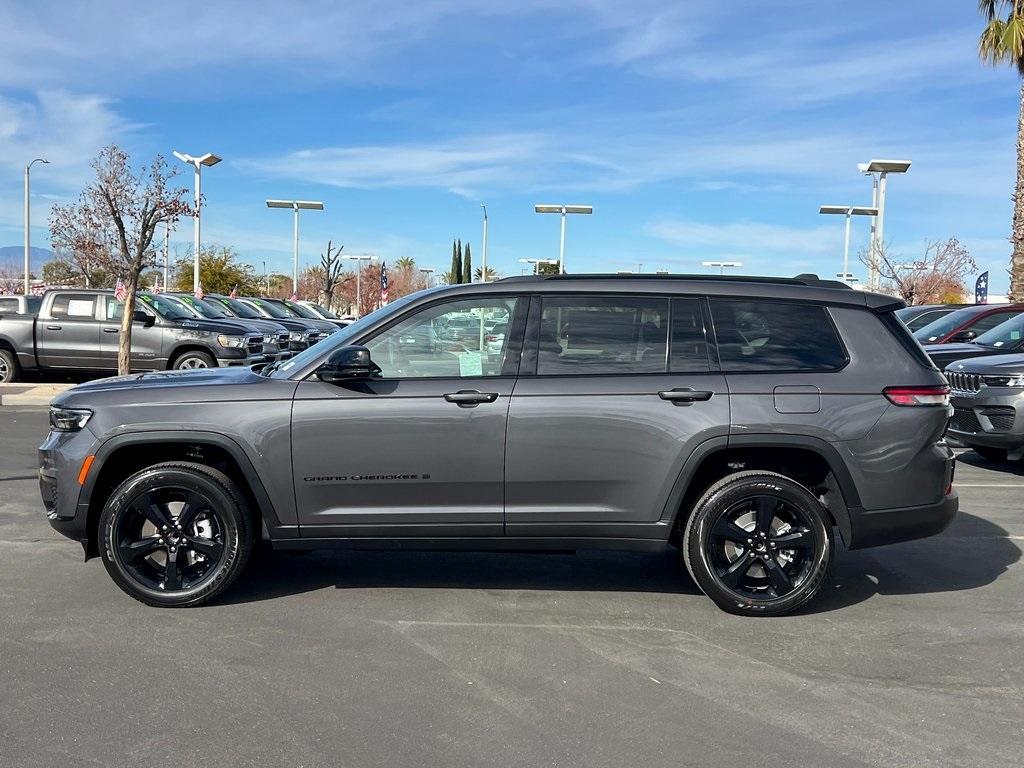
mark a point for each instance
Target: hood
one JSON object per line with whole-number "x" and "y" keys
{"x": 149, "y": 383}
{"x": 261, "y": 325}
{"x": 944, "y": 354}
{"x": 297, "y": 324}
{"x": 989, "y": 364}
{"x": 213, "y": 326}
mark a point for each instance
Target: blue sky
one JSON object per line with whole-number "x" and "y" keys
{"x": 698, "y": 130}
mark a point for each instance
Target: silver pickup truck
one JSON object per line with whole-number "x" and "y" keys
{"x": 78, "y": 329}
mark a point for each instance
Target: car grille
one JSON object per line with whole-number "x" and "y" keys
{"x": 964, "y": 382}
{"x": 282, "y": 340}
{"x": 965, "y": 420}
{"x": 254, "y": 345}
{"x": 1001, "y": 416}
{"x": 315, "y": 337}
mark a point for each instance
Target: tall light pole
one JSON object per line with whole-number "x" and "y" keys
{"x": 429, "y": 272}
{"x": 483, "y": 263}
{"x": 209, "y": 159}
{"x": 167, "y": 250}
{"x": 266, "y": 277}
{"x": 883, "y": 168}
{"x": 563, "y": 210}
{"x": 849, "y": 211}
{"x": 722, "y": 265}
{"x": 296, "y": 206}
{"x": 359, "y": 268}
{"x": 28, "y": 216}
{"x": 537, "y": 263}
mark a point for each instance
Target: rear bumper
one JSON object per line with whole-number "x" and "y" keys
{"x": 873, "y": 528}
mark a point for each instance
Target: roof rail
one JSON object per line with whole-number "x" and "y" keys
{"x": 803, "y": 279}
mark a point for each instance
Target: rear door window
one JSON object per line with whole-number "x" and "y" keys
{"x": 775, "y": 336}
{"x": 81, "y": 306}
{"x": 689, "y": 352}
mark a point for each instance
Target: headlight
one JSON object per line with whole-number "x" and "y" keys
{"x": 298, "y": 335}
{"x": 68, "y": 419}
{"x": 236, "y": 342}
{"x": 1011, "y": 380}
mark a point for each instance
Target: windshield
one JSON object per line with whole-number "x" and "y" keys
{"x": 945, "y": 325}
{"x": 339, "y": 339}
{"x": 166, "y": 306}
{"x": 200, "y": 307}
{"x": 272, "y": 309}
{"x": 302, "y": 311}
{"x": 1008, "y": 334}
{"x": 236, "y": 308}
{"x": 324, "y": 311}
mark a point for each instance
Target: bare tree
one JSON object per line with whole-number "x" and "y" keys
{"x": 331, "y": 273}
{"x": 121, "y": 208}
{"x": 938, "y": 277}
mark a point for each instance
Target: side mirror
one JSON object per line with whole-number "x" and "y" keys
{"x": 346, "y": 364}
{"x": 964, "y": 336}
{"x": 138, "y": 316}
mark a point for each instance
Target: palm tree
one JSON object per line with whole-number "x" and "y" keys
{"x": 492, "y": 274}
{"x": 406, "y": 262}
{"x": 1002, "y": 42}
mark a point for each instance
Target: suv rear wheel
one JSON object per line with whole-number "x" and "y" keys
{"x": 758, "y": 543}
{"x": 175, "y": 534}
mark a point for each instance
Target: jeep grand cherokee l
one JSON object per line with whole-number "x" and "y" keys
{"x": 750, "y": 422}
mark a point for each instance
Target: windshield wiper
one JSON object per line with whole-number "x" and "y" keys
{"x": 269, "y": 369}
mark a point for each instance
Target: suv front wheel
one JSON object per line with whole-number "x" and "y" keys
{"x": 758, "y": 543}
{"x": 175, "y": 534}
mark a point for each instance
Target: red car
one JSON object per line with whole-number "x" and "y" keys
{"x": 967, "y": 323}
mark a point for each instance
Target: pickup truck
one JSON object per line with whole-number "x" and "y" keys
{"x": 18, "y": 304}
{"x": 78, "y": 329}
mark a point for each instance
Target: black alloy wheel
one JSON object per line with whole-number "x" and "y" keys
{"x": 758, "y": 543}
{"x": 175, "y": 534}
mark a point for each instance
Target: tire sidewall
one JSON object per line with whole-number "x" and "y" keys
{"x": 206, "y": 357}
{"x": 11, "y": 364}
{"x": 233, "y": 516}
{"x": 724, "y": 495}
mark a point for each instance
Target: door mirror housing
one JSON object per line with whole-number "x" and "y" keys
{"x": 138, "y": 316}
{"x": 347, "y": 364}
{"x": 964, "y": 336}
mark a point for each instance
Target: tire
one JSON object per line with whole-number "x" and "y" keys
{"x": 10, "y": 369}
{"x": 733, "y": 544}
{"x": 194, "y": 359}
{"x": 995, "y": 455}
{"x": 141, "y": 534}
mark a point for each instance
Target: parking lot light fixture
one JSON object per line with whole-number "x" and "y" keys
{"x": 429, "y": 272}
{"x": 28, "y": 216}
{"x": 849, "y": 211}
{"x": 197, "y": 163}
{"x": 359, "y": 268}
{"x": 879, "y": 171}
{"x": 296, "y": 206}
{"x": 536, "y": 263}
{"x": 722, "y": 265}
{"x": 562, "y": 210}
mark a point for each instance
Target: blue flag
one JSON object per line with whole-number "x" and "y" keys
{"x": 981, "y": 289}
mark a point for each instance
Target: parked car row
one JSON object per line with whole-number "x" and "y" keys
{"x": 78, "y": 329}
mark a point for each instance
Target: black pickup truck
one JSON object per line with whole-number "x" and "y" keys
{"x": 78, "y": 329}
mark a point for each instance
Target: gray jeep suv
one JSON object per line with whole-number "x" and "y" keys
{"x": 748, "y": 421}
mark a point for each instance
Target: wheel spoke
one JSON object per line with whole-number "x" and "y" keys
{"x": 780, "y": 580}
{"x": 796, "y": 539}
{"x": 193, "y": 506}
{"x": 208, "y": 547}
{"x": 172, "y": 574}
{"x": 765, "y": 508}
{"x": 727, "y": 529}
{"x": 732, "y": 575}
{"x": 132, "y": 552}
{"x": 154, "y": 510}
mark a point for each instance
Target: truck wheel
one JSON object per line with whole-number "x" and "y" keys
{"x": 10, "y": 370}
{"x": 997, "y": 455}
{"x": 758, "y": 544}
{"x": 175, "y": 534}
{"x": 191, "y": 360}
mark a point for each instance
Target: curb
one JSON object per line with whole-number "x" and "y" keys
{"x": 30, "y": 394}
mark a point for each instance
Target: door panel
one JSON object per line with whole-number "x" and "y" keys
{"x": 146, "y": 341}
{"x": 70, "y": 337}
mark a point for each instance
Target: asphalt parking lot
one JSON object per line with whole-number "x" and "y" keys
{"x": 912, "y": 657}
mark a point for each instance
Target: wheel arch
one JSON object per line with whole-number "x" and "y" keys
{"x": 122, "y": 455}
{"x": 184, "y": 348}
{"x": 816, "y": 462}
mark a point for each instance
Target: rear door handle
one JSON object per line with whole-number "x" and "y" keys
{"x": 53, "y": 327}
{"x": 469, "y": 398}
{"x": 110, "y": 330}
{"x": 685, "y": 395}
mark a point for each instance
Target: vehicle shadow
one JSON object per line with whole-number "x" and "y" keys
{"x": 972, "y": 553}
{"x": 1006, "y": 467}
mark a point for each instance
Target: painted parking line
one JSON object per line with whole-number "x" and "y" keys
{"x": 988, "y": 485}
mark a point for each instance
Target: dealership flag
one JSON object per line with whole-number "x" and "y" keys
{"x": 383, "y": 283}
{"x": 981, "y": 289}
{"x": 234, "y": 292}
{"x": 199, "y": 292}
{"x": 120, "y": 292}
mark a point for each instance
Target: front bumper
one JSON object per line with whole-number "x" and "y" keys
{"x": 243, "y": 359}
{"x": 61, "y": 457}
{"x": 992, "y": 417}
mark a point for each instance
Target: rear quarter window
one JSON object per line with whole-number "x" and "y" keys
{"x": 775, "y": 336}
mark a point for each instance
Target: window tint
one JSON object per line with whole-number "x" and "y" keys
{"x": 689, "y": 344}
{"x": 587, "y": 334}
{"x": 8, "y": 305}
{"x": 33, "y": 303}
{"x": 774, "y": 336}
{"x": 1007, "y": 334}
{"x": 927, "y": 317}
{"x": 991, "y": 321}
{"x": 447, "y": 340}
{"x": 80, "y": 305}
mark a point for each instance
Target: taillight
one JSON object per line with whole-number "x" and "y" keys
{"x": 936, "y": 395}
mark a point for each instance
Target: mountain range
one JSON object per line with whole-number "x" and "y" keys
{"x": 12, "y": 257}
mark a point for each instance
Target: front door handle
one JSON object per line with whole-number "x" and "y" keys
{"x": 110, "y": 330}
{"x": 685, "y": 395}
{"x": 470, "y": 398}
{"x": 53, "y": 327}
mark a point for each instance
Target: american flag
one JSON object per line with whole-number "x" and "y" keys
{"x": 383, "y": 283}
{"x": 120, "y": 292}
{"x": 234, "y": 293}
{"x": 199, "y": 292}
{"x": 294, "y": 297}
